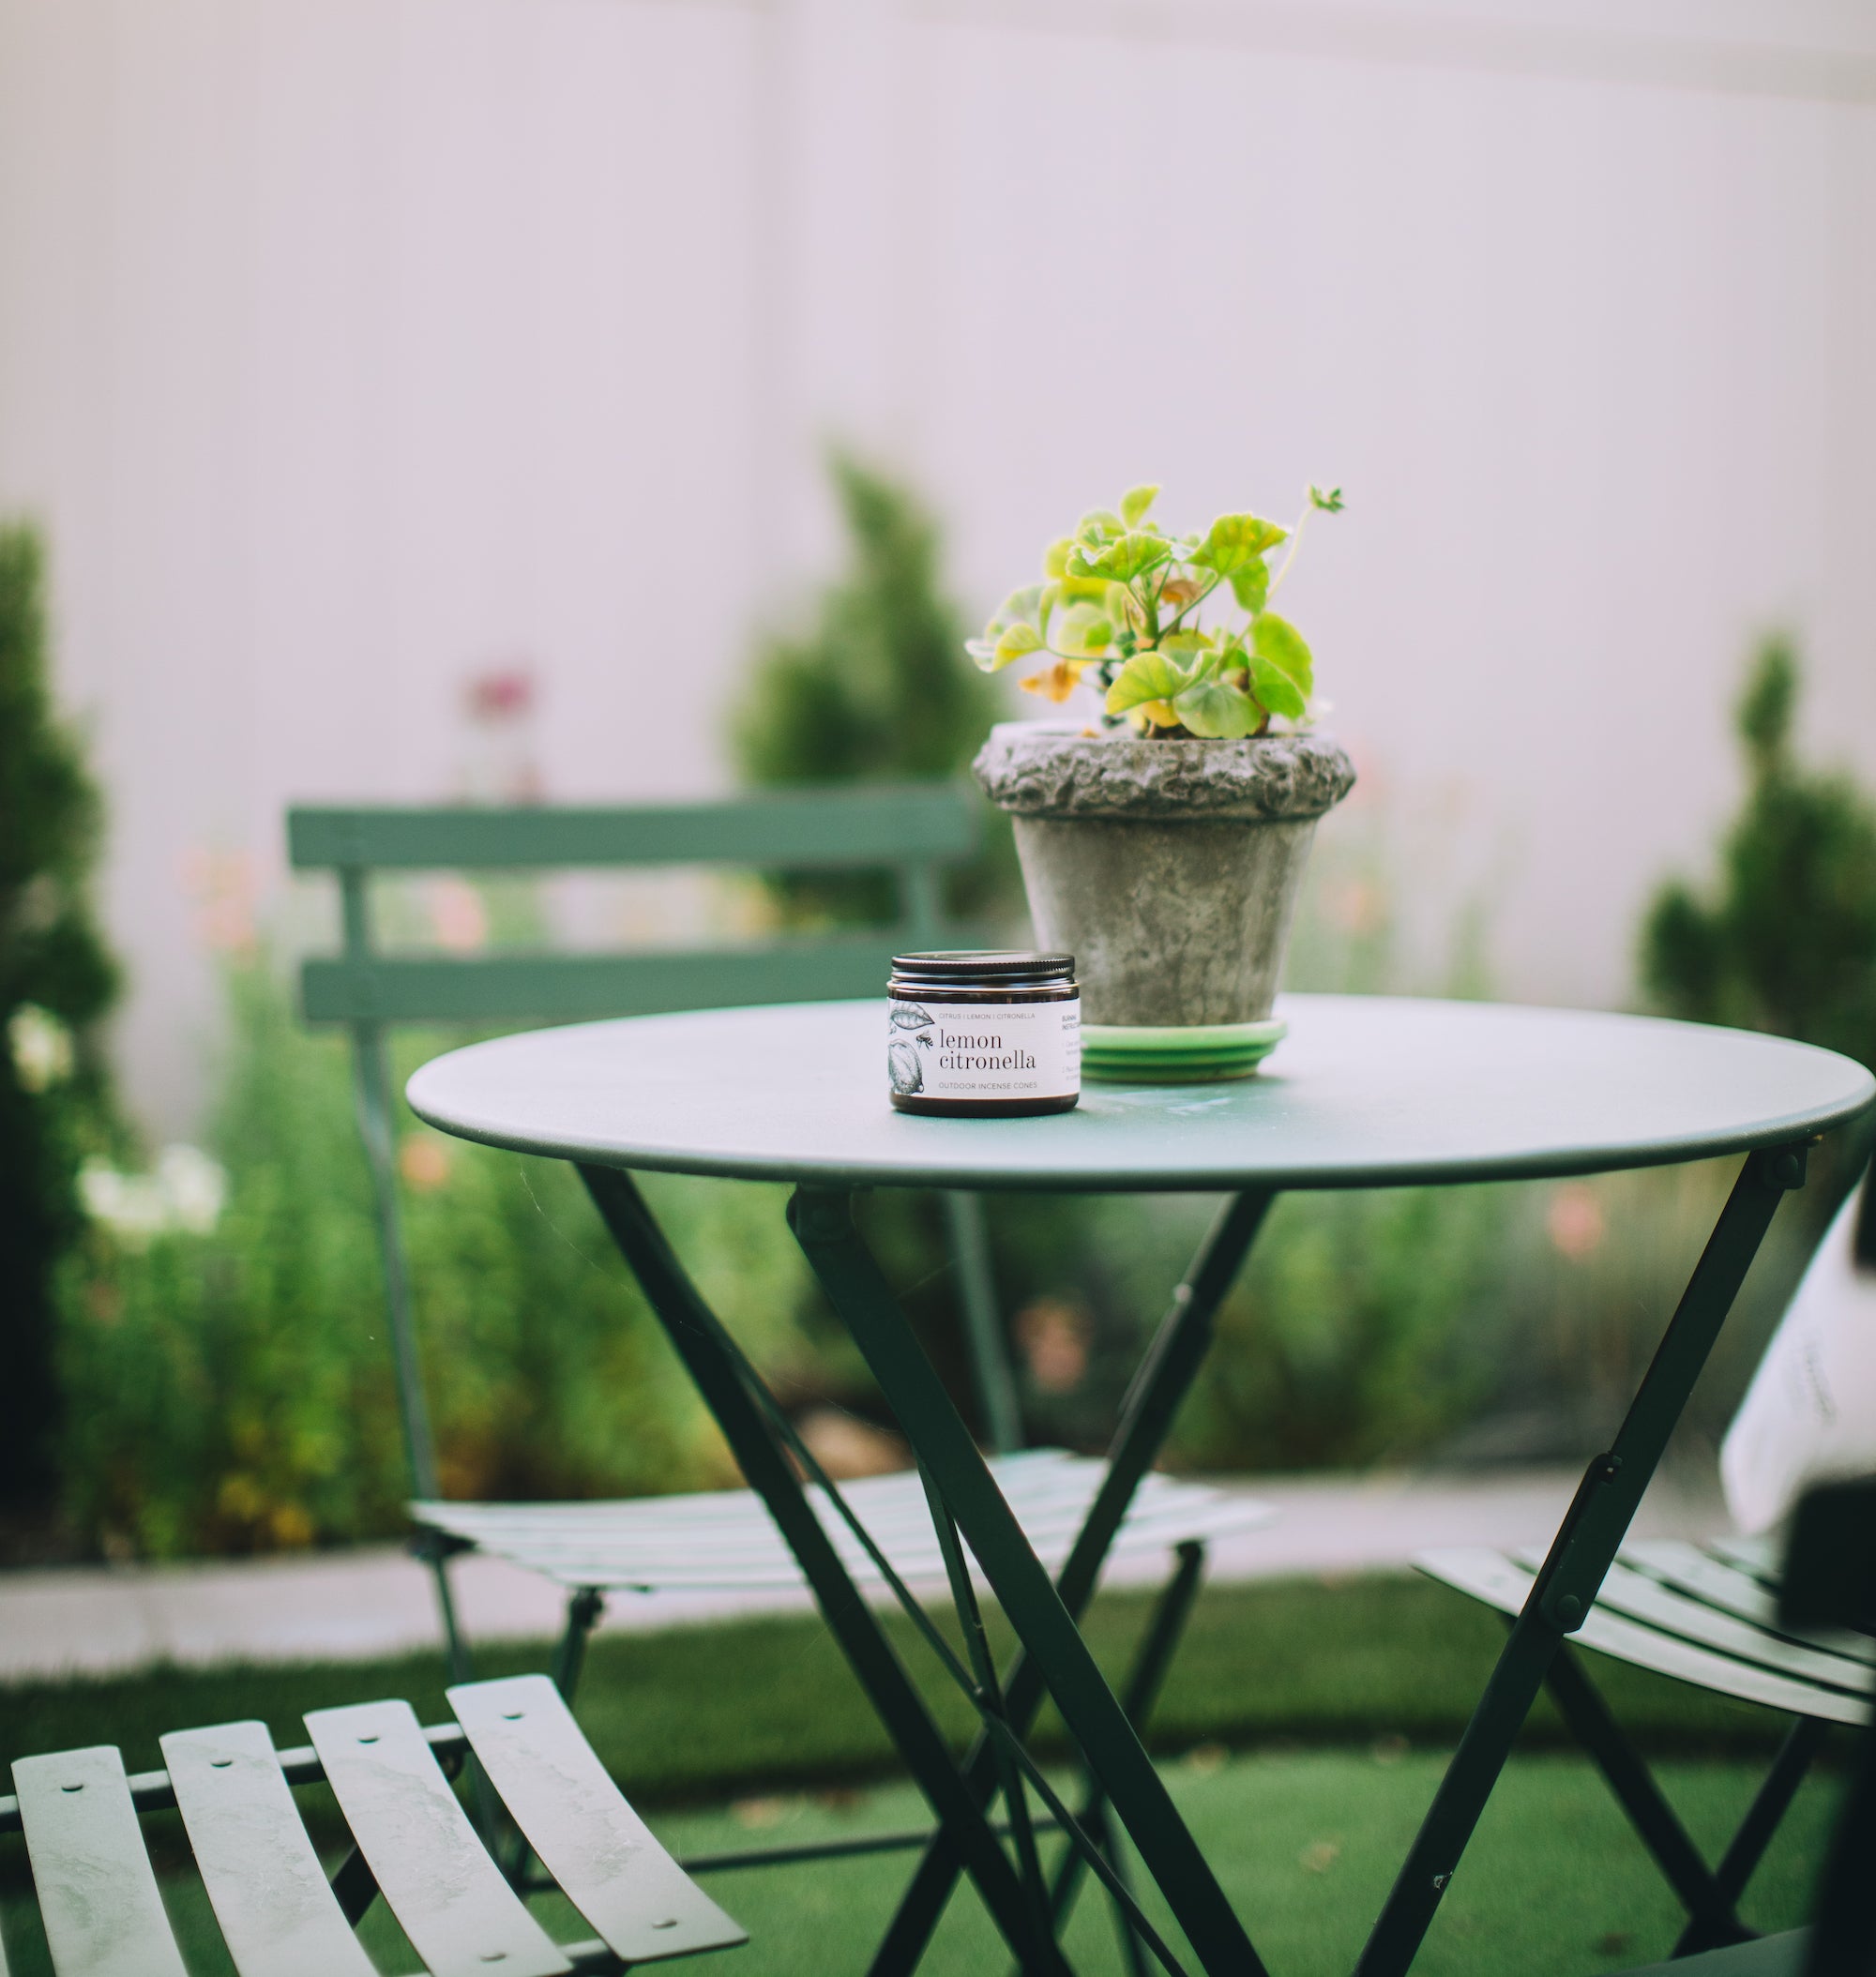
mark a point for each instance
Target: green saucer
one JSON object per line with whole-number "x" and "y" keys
{"x": 1203, "y": 1053}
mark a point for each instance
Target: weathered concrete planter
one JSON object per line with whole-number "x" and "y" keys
{"x": 1169, "y": 868}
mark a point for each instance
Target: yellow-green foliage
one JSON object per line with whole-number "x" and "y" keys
{"x": 234, "y": 1390}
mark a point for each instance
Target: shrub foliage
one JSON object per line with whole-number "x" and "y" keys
{"x": 56, "y": 980}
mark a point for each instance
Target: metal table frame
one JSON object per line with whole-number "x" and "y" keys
{"x": 539, "y": 1093}
{"x": 1053, "y": 1657}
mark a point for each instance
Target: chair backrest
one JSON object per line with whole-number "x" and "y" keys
{"x": 914, "y": 832}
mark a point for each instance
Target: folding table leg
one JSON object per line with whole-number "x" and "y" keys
{"x": 1580, "y": 1557}
{"x": 1152, "y": 1401}
{"x": 1164, "y": 1627}
{"x": 824, "y": 1225}
{"x": 688, "y": 1323}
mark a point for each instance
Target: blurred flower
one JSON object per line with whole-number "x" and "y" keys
{"x": 42, "y": 1048}
{"x": 186, "y": 1193}
{"x": 193, "y": 1186}
{"x": 505, "y": 693}
{"x": 1355, "y": 906}
{"x": 1574, "y": 1221}
{"x": 224, "y": 889}
{"x": 1053, "y": 1337}
{"x": 846, "y": 1446}
{"x": 423, "y": 1161}
{"x": 458, "y": 915}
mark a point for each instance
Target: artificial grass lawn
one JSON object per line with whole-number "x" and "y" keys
{"x": 1306, "y": 1844}
{"x": 1305, "y": 1838}
{"x": 698, "y": 1713}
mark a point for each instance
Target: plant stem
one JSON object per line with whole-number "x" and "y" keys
{"x": 1290, "y": 554}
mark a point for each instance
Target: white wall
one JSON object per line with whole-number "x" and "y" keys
{"x": 347, "y": 346}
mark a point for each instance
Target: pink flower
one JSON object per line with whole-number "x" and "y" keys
{"x": 504, "y": 694}
{"x": 1574, "y": 1221}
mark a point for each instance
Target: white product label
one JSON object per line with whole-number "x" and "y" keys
{"x": 984, "y": 1050}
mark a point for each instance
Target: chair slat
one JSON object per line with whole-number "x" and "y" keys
{"x": 799, "y": 830}
{"x": 270, "y": 1895}
{"x": 574, "y": 987}
{"x": 1690, "y": 1569}
{"x": 435, "y": 1875}
{"x": 1759, "y": 1556}
{"x": 1636, "y": 1596}
{"x": 1495, "y": 1579}
{"x": 692, "y": 1544}
{"x": 98, "y": 1894}
{"x": 588, "y": 1838}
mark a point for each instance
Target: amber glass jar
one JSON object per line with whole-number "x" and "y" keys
{"x": 984, "y": 1034}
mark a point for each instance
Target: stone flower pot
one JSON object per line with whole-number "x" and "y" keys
{"x": 1169, "y": 869}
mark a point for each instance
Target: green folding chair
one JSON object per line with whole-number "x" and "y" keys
{"x": 1708, "y": 1614}
{"x": 278, "y": 1913}
{"x": 719, "y": 1540}
{"x": 1827, "y": 1588}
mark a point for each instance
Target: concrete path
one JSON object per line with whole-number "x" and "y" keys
{"x": 375, "y": 1601}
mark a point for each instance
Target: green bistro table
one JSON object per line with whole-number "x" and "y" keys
{"x": 1366, "y": 1091}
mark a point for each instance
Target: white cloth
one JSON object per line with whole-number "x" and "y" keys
{"x": 1810, "y": 1414}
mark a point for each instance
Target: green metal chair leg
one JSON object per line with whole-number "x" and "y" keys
{"x": 983, "y": 1328}
{"x": 1593, "y": 1529}
{"x": 1770, "y": 1803}
{"x": 583, "y": 1610}
{"x": 1712, "y": 1920}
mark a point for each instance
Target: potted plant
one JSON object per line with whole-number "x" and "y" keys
{"x": 1163, "y": 846}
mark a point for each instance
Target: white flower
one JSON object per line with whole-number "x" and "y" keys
{"x": 41, "y": 1046}
{"x": 131, "y": 1206}
{"x": 194, "y": 1186}
{"x": 186, "y": 1193}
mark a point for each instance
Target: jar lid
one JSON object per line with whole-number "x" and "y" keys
{"x": 969, "y": 966}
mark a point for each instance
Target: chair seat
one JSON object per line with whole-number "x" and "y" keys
{"x": 1706, "y": 1614}
{"x": 104, "y": 1915}
{"x": 1781, "y": 1955}
{"x": 725, "y": 1539}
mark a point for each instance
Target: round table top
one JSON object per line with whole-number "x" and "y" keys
{"x": 1365, "y": 1091}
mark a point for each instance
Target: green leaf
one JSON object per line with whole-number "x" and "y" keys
{"x": 1251, "y": 584}
{"x": 1135, "y": 502}
{"x": 1234, "y": 540}
{"x": 1190, "y": 640}
{"x": 1217, "y": 712}
{"x": 1099, "y": 526}
{"x": 1021, "y": 607}
{"x": 1277, "y": 690}
{"x": 1121, "y": 561}
{"x": 1083, "y": 631}
{"x": 1052, "y": 595}
{"x": 1330, "y": 503}
{"x": 1016, "y": 641}
{"x": 1055, "y": 557}
{"x": 984, "y": 652}
{"x": 1278, "y": 644}
{"x": 1146, "y": 676}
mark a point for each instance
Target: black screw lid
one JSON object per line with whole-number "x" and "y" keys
{"x": 983, "y": 968}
